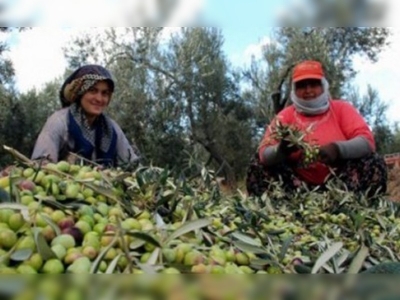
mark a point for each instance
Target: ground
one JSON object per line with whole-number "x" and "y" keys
{"x": 393, "y": 185}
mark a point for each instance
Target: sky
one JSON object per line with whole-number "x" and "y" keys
{"x": 246, "y": 26}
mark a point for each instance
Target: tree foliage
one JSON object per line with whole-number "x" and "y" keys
{"x": 184, "y": 106}
{"x": 22, "y": 115}
{"x": 374, "y": 111}
{"x": 216, "y": 113}
{"x": 177, "y": 97}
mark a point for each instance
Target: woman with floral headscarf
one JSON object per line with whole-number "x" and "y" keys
{"x": 344, "y": 141}
{"x": 81, "y": 127}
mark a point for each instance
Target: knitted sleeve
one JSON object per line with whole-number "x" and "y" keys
{"x": 125, "y": 150}
{"x": 52, "y": 137}
{"x": 354, "y": 126}
{"x": 267, "y": 148}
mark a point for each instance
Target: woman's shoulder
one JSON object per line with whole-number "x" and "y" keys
{"x": 344, "y": 108}
{"x": 115, "y": 125}
{"x": 287, "y": 113}
{"x": 59, "y": 117}
{"x": 341, "y": 104}
{"x": 61, "y": 113}
{"x": 56, "y": 124}
{"x": 112, "y": 121}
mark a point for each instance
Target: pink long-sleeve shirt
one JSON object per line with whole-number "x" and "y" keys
{"x": 342, "y": 122}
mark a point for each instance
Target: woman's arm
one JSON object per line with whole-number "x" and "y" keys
{"x": 360, "y": 140}
{"x": 51, "y": 138}
{"x": 125, "y": 152}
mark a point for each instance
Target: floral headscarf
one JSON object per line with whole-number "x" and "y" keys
{"x": 100, "y": 138}
{"x": 81, "y": 81}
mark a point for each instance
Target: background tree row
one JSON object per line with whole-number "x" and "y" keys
{"x": 183, "y": 104}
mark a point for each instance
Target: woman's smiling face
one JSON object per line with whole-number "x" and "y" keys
{"x": 308, "y": 89}
{"x": 96, "y": 99}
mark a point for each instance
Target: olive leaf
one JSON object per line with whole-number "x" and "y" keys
{"x": 21, "y": 254}
{"x": 15, "y": 206}
{"x": 285, "y": 247}
{"x": 246, "y": 239}
{"x": 53, "y": 225}
{"x": 326, "y": 256}
{"x": 358, "y": 260}
{"x": 154, "y": 257}
{"x": 96, "y": 264}
{"x": 144, "y": 237}
{"x": 113, "y": 264}
{"x": 136, "y": 244}
{"x": 41, "y": 244}
{"x": 188, "y": 227}
{"x": 249, "y": 247}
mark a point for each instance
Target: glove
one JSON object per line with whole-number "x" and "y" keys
{"x": 290, "y": 152}
{"x": 286, "y": 149}
{"x": 329, "y": 154}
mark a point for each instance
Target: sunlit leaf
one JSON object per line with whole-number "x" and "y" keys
{"x": 285, "y": 247}
{"x": 15, "y": 206}
{"x": 51, "y": 223}
{"x": 43, "y": 248}
{"x": 96, "y": 264}
{"x": 154, "y": 257}
{"x": 261, "y": 262}
{"x": 113, "y": 264}
{"x": 246, "y": 239}
{"x": 136, "y": 244}
{"x": 159, "y": 221}
{"x": 343, "y": 258}
{"x": 249, "y": 248}
{"x": 358, "y": 260}
{"x": 144, "y": 237}
{"x": 326, "y": 256}
{"x": 380, "y": 221}
{"x": 21, "y": 254}
{"x": 188, "y": 227}
{"x": 146, "y": 268}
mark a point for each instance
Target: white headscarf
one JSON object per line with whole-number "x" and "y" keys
{"x": 316, "y": 106}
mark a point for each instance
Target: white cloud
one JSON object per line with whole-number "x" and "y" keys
{"x": 58, "y": 13}
{"x": 73, "y": 13}
{"x": 76, "y": 13}
{"x": 256, "y": 50}
{"x": 186, "y": 13}
{"x": 170, "y": 13}
{"x": 252, "y": 50}
{"x": 37, "y": 55}
{"x": 383, "y": 75}
{"x": 392, "y": 9}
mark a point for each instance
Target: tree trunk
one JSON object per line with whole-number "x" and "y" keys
{"x": 225, "y": 167}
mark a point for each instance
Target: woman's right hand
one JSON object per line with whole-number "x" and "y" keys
{"x": 286, "y": 148}
{"x": 290, "y": 152}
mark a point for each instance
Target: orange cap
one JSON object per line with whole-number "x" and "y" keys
{"x": 308, "y": 69}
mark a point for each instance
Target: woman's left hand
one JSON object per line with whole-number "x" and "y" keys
{"x": 329, "y": 154}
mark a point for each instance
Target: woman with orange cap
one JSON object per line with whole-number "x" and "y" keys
{"x": 81, "y": 127}
{"x": 345, "y": 142}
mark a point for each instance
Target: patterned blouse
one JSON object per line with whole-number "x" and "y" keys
{"x": 55, "y": 143}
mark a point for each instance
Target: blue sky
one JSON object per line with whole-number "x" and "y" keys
{"x": 243, "y": 23}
